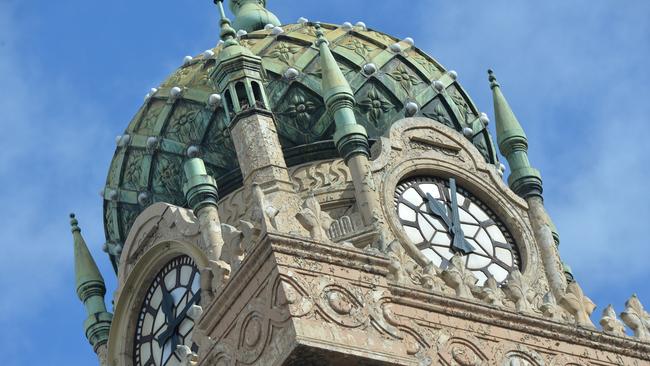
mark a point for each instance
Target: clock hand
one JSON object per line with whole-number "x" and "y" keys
{"x": 167, "y": 308}
{"x": 171, "y": 326}
{"x": 459, "y": 243}
{"x": 438, "y": 209}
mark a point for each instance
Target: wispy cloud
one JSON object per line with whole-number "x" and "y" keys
{"x": 50, "y": 139}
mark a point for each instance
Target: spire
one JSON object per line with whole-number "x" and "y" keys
{"x": 252, "y": 15}
{"x": 350, "y": 137}
{"x": 228, "y": 34}
{"x": 90, "y": 289}
{"x": 513, "y": 144}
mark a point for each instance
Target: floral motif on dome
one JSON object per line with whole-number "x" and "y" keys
{"x": 284, "y": 52}
{"x": 428, "y": 66}
{"x": 375, "y": 105}
{"x": 167, "y": 176}
{"x": 300, "y": 108}
{"x": 132, "y": 176}
{"x": 187, "y": 123}
{"x": 403, "y": 76}
{"x": 359, "y": 47}
{"x": 147, "y": 124}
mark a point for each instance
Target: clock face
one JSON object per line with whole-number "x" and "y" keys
{"x": 165, "y": 319}
{"x": 441, "y": 225}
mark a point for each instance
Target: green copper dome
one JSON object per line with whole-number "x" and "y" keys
{"x": 391, "y": 79}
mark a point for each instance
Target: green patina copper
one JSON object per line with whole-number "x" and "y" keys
{"x": 252, "y": 15}
{"x": 149, "y": 167}
{"x": 524, "y": 180}
{"x": 350, "y": 137}
{"x": 90, "y": 289}
{"x": 200, "y": 188}
{"x": 237, "y": 74}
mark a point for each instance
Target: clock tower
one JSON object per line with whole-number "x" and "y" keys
{"x": 323, "y": 194}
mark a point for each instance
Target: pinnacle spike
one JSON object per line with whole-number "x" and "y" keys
{"x": 513, "y": 144}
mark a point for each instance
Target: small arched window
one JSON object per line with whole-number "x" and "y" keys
{"x": 229, "y": 102}
{"x": 257, "y": 94}
{"x": 240, "y": 89}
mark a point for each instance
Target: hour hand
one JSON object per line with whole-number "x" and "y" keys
{"x": 438, "y": 209}
{"x": 167, "y": 306}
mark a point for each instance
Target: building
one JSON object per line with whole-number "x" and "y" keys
{"x": 320, "y": 194}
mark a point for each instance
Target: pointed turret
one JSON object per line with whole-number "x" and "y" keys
{"x": 350, "y": 137}
{"x": 238, "y": 73}
{"x": 252, "y": 15}
{"x": 513, "y": 144}
{"x": 91, "y": 290}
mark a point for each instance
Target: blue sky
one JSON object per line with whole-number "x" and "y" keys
{"x": 73, "y": 73}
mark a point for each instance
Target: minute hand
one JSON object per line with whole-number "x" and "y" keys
{"x": 459, "y": 243}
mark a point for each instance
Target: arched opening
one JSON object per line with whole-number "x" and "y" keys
{"x": 240, "y": 89}
{"x": 229, "y": 102}
{"x": 257, "y": 94}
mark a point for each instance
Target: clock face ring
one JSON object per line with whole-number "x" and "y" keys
{"x": 166, "y": 319}
{"x": 441, "y": 225}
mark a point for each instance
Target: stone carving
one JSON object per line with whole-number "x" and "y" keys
{"x": 579, "y": 305}
{"x": 519, "y": 292}
{"x": 312, "y": 218}
{"x": 188, "y": 358}
{"x": 262, "y": 212}
{"x": 550, "y": 308}
{"x": 464, "y": 352}
{"x": 407, "y": 262}
{"x": 332, "y": 173}
{"x": 564, "y": 360}
{"x": 458, "y": 277}
{"x": 341, "y": 227}
{"x": 491, "y": 293}
{"x": 252, "y": 332}
{"x": 637, "y": 318}
{"x": 233, "y": 250}
{"x": 610, "y": 322}
{"x": 516, "y": 355}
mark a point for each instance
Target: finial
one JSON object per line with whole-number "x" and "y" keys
{"x": 74, "y": 223}
{"x": 90, "y": 289}
{"x": 320, "y": 35}
{"x": 252, "y": 15}
{"x": 524, "y": 180}
{"x": 228, "y": 34}
{"x": 493, "y": 79}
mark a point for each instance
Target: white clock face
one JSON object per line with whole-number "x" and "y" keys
{"x": 432, "y": 227}
{"x": 165, "y": 319}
